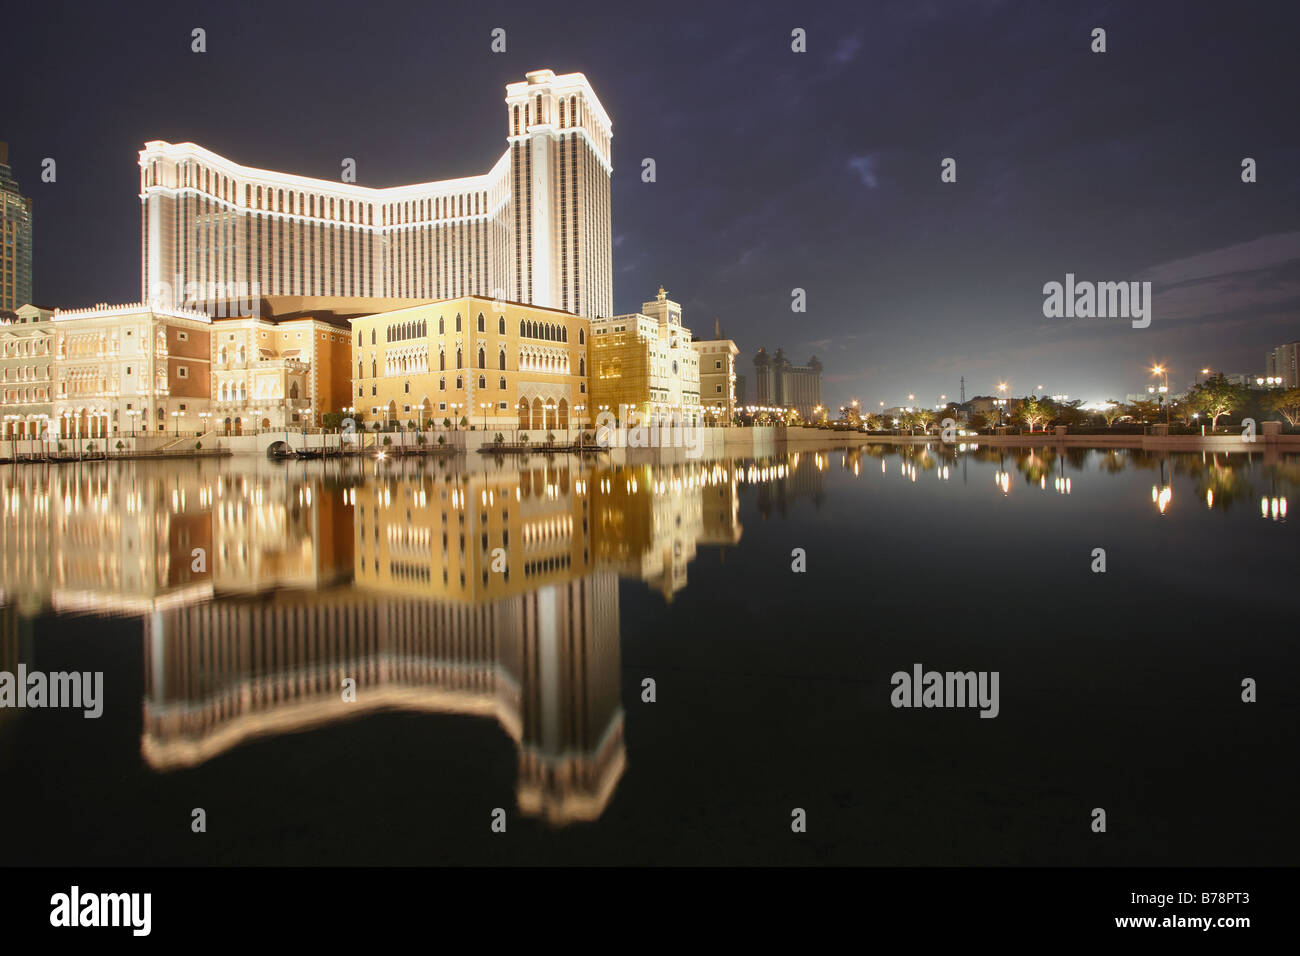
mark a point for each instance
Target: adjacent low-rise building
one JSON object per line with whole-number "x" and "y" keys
{"x": 644, "y": 366}
{"x": 717, "y": 359}
{"x": 26, "y": 370}
{"x": 131, "y": 368}
{"x": 274, "y": 375}
{"x": 494, "y": 365}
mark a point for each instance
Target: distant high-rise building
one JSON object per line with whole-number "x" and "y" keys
{"x": 780, "y": 384}
{"x": 1284, "y": 362}
{"x": 535, "y": 229}
{"x": 16, "y": 236}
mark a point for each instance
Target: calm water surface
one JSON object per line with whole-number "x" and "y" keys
{"x": 499, "y": 619}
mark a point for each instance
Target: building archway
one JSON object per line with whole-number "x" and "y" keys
{"x": 523, "y": 414}
{"x": 539, "y": 415}
{"x": 562, "y": 413}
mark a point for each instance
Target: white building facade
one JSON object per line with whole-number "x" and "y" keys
{"x": 535, "y": 229}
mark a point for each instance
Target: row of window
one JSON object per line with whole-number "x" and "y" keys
{"x": 418, "y": 362}
{"x": 442, "y": 385}
{"x": 269, "y": 199}
{"x": 419, "y": 329}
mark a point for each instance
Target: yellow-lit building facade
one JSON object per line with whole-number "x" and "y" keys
{"x": 717, "y": 378}
{"x": 644, "y": 367}
{"x": 494, "y": 365}
{"x": 278, "y": 374}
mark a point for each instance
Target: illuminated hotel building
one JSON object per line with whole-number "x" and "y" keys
{"x": 495, "y": 364}
{"x": 534, "y": 229}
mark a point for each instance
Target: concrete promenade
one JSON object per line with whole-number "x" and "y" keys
{"x": 625, "y": 445}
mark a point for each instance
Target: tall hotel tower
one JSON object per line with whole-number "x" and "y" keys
{"x": 533, "y": 230}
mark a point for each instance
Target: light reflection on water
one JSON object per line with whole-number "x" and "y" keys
{"x": 487, "y": 588}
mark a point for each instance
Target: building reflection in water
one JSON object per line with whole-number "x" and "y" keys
{"x": 487, "y": 588}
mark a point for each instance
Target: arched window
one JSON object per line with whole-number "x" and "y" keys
{"x": 582, "y": 366}
{"x": 293, "y": 390}
{"x": 374, "y": 369}
{"x": 564, "y": 333}
{"x": 372, "y": 336}
{"x": 482, "y": 358}
{"x": 502, "y": 386}
{"x": 457, "y": 321}
{"x": 582, "y": 338}
{"x": 523, "y": 329}
{"x": 501, "y": 325}
{"x": 442, "y": 361}
{"x": 441, "y": 326}
{"x": 481, "y": 327}
{"x": 459, "y": 363}
{"x": 358, "y": 338}
{"x": 501, "y": 360}
{"x": 360, "y": 373}
{"x": 482, "y": 382}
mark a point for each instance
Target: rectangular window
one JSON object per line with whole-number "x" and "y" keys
{"x": 182, "y": 371}
{"x": 182, "y": 336}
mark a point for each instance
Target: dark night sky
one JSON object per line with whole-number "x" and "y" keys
{"x": 775, "y": 170}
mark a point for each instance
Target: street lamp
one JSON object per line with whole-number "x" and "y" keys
{"x": 1161, "y": 370}
{"x": 176, "y": 418}
{"x": 1002, "y": 387}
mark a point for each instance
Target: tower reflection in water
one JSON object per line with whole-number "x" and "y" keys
{"x": 487, "y": 588}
